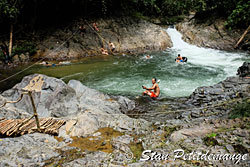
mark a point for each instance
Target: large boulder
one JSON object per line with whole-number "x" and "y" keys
{"x": 54, "y": 94}
{"x": 86, "y": 110}
{"x": 244, "y": 70}
{"x": 100, "y": 110}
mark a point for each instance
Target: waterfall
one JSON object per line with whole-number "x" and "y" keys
{"x": 213, "y": 58}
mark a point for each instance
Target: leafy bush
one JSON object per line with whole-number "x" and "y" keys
{"x": 2, "y": 57}
{"x": 236, "y": 12}
{"x": 210, "y": 140}
{"x": 240, "y": 17}
{"x": 241, "y": 110}
{"x": 25, "y": 47}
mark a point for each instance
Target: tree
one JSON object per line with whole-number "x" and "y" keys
{"x": 9, "y": 9}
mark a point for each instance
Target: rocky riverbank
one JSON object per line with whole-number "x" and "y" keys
{"x": 129, "y": 35}
{"x": 98, "y": 133}
{"x": 211, "y": 34}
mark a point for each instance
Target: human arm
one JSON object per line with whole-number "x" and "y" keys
{"x": 152, "y": 88}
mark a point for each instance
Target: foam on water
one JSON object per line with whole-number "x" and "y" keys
{"x": 204, "y": 56}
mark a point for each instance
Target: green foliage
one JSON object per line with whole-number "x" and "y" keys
{"x": 237, "y": 12}
{"x": 162, "y": 7}
{"x": 104, "y": 7}
{"x": 174, "y": 8}
{"x": 211, "y": 135}
{"x": 174, "y": 19}
{"x": 241, "y": 110}
{"x": 240, "y": 17}
{"x": 25, "y": 47}
{"x": 170, "y": 130}
{"x": 32, "y": 12}
{"x": 2, "y": 57}
{"x": 9, "y": 9}
{"x": 210, "y": 140}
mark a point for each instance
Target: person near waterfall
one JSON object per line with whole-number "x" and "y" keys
{"x": 179, "y": 58}
{"x": 153, "y": 94}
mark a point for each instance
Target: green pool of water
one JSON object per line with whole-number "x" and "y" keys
{"x": 124, "y": 75}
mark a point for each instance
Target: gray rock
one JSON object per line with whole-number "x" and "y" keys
{"x": 244, "y": 70}
{"x": 10, "y": 112}
{"x": 56, "y": 97}
{"x": 28, "y": 150}
{"x": 189, "y": 132}
{"x": 24, "y": 57}
{"x": 92, "y": 159}
{"x": 15, "y": 59}
{"x": 230, "y": 148}
{"x": 208, "y": 35}
{"x": 232, "y": 87}
{"x": 129, "y": 35}
{"x": 196, "y": 113}
{"x": 126, "y": 104}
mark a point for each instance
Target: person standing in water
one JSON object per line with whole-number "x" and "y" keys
{"x": 155, "y": 87}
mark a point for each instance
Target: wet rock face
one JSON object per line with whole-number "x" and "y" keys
{"x": 211, "y": 35}
{"x": 128, "y": 35}
{"x": 244, "y": 70}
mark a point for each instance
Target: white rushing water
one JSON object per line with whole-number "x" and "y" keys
{"x": 206, "y": 57}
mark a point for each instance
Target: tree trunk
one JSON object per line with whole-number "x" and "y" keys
{"x": 242, "y": 37}
{"x": 11, "y": 39}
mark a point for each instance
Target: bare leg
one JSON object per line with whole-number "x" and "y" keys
{"x": 147, "y": 93}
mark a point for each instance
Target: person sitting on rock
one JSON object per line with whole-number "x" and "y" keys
{"x": 95, "y": 27}
{"x": 111, "y": 46}
{"x": 179, "y": 58}
{"x": 155, "y": 87}
{"x": 104, "y": 51}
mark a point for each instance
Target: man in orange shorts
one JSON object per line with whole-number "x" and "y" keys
{"x": 155, "y": 87}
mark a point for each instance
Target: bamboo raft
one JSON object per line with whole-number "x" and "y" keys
{"x": 17, "y": 127}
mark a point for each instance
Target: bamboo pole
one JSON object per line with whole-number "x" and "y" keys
{"x": 19, "y": 99}
{"x": 34, "y": 109}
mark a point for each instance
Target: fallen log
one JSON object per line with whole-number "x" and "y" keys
{"x": 242, "y": 37}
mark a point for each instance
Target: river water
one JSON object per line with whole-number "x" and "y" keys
{"x": 124, "y": 75}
